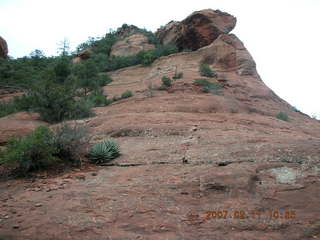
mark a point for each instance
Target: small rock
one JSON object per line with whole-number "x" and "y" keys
{"x": 94, "y": 174}
{"x": 193, "y": 129}
{"x": 184, "y": 160}
{"x": 38, "y": 205}
{"x": 15, "y": 226}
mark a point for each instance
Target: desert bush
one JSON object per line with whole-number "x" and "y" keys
{"x": 32, "y": 152}
{"x": 57, "y": 102}
{"x": 282, "y": 116}
{"x": 126, "y": 94}
{"x": 103, "y": 152}
{"x": 7, "y": 108}
{"x": 178, "y": 75}
{"x": 104, "y": 79}
{"x": 44, "y": 147}
{"x": 206, "y": 71}
{"x": 17, "y": 104}
{"x": 70, "y": 140}
{"x": 98, "y": 98}
{"x": 208, "y": 87}
{"x": 62, "y": 69}
{"x": 206, "y": 83}
{"x": 166, "y": 81}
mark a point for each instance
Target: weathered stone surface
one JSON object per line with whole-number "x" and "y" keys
{"x": 228, "y": 52}
{"x": 184, "y": 153}
{"x": 198, "y": 30}
{"x": 3, "y": 48}
{"x": 131, "y": 45}
{"x": 18, "y": 124}
{"x": 126, "y": 30}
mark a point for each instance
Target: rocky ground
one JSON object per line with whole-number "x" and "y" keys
{"x": 194, "y": 165}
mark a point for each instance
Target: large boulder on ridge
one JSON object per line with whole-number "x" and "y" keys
{"x": 198, "y": 30}
{"x": 131, "y": 45}
{"x": 3, "y": 48}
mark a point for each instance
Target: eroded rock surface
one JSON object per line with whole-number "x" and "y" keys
{"x": 185, "y": 153}
{"x": 131, "y": 45}
{"x": 198, "y": 30}
{"x": 3, "y": 48}
{"x": 18, "y": 124}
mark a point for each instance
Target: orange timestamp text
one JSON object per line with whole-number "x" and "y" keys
{"x": 253, "y": 214}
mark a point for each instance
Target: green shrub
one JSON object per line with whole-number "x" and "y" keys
{"x": 62, "y": 69}
{"x": 7, "y": 108}
{"x": 206, "y": 83}
{"x": 282, "y": 116}
{"x": 98, "y": 98}
{"x": 208, "y": 87}
{"x": 296, "y": 109}
{"x": 103, "y": 152}
{"x": 32, "y": 152}
{"x": 44, "y": 147}
{"x": 126, "y": 94}
{"x": 57, "y": 102}
{"x": 178, "y": 75}
{"x": 206, "y": 71}
{"x": 166, "y": 81}
{"x": 104, "y": 79}
{"x": 17, "y": 104}
{"x": 147, "y": 57}
{"x": 70, "y": 140}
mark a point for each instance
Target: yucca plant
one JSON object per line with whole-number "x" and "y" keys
{"x": 104, "y": 151}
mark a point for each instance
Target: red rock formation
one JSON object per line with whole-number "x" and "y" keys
{"x": 131, "y": 45}
{"x": 197, "y": 30}
{"x": 83, "y": 55}
{"x": 18, "y": 124}
{"x": 3, "y": 48}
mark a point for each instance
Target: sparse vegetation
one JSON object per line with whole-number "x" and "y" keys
{"x": 178, "y": 75}
{"x": 295, "y": 109}
{"x": 206, "y": 71}
{"x": 282, "y": 116}
{"x": 208, "y": 86}
{"x": 126, "y": 94}
{"x": 44, "y": 147}
{"x": 70, "y": 140}
{"x": 98, "y": 99}
{"x": 32, "y": 152}
{"x": 103, "y": 152}
{"x": 166, "y": 81}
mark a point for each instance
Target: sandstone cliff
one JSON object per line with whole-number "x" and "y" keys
{"x": 3, "y": 48}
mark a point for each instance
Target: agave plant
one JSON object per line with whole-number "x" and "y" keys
{"x": 104, "y": 151}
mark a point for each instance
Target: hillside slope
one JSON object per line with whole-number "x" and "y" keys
{"x": 185, "y": 153}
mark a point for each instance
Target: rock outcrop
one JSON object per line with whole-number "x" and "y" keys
{"x": 228, "y": 53}
{"x": 131, "y": 45}
{"x": 83, "y": 55}
{"x": 198, "y": 30}
{"x": 18, "y": 124}
{"x": 194, "y": 164}
{"x": 126, "y": 30}
{"x": 3, "y": 48}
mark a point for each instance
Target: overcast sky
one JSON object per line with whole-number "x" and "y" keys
{"x": 283, "y": 36}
